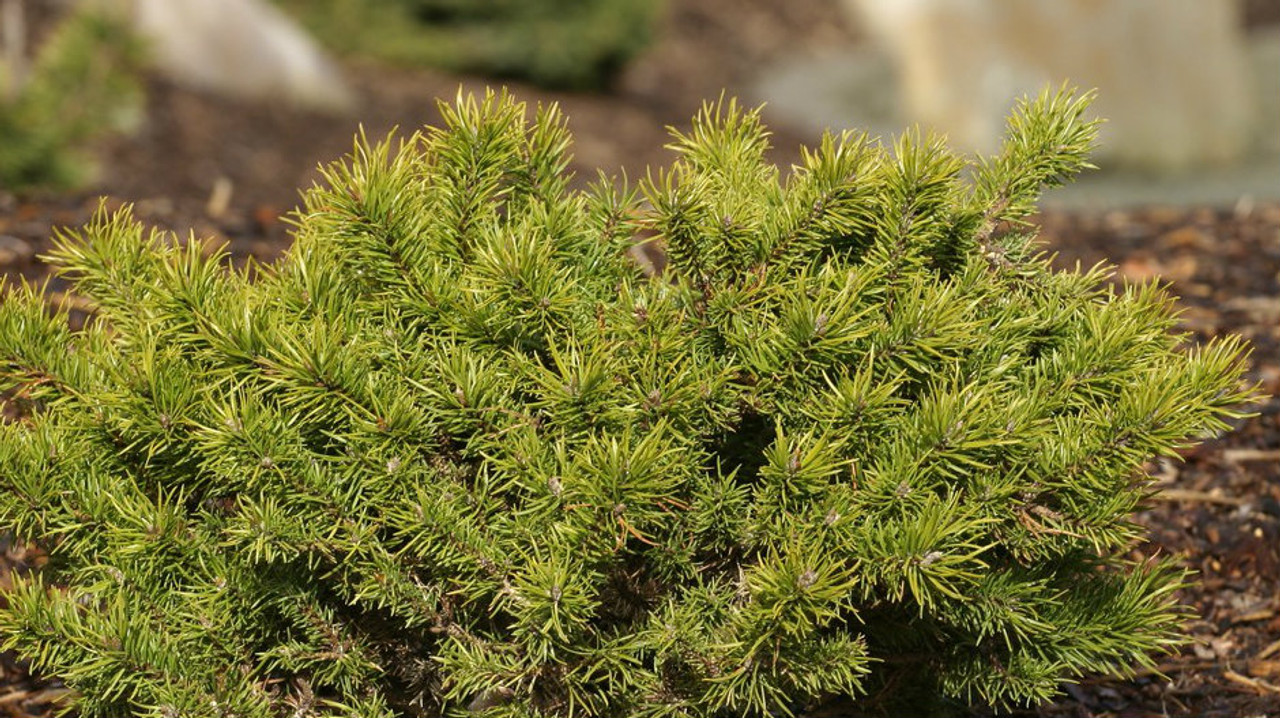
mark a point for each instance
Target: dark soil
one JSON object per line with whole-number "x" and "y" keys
{"x": 1220, "y": 511}
{"x": 1261, "y": 12}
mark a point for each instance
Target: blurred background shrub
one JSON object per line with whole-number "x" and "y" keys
{"x": 574, "y": 44}
{"x": 84, "y": 82}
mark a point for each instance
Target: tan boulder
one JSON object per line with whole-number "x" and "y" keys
{"x": 1173, "y": 75}
{"x": 244, "y": 48}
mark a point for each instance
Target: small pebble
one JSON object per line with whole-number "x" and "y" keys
{"x": 14, "y": 251}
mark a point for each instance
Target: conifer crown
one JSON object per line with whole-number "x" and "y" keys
{"x": 456, "y": 454}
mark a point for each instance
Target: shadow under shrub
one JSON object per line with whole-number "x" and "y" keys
{"x": 457, "y": 454}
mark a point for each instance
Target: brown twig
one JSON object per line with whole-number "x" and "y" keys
{"x": 1171, "y": 667}
{"x": 14, "y": 697}
{"x": 1268, "y": 652}
{"x": 1236, "y": 456}
{"x": 1256, "y": 684}
{"x": 1254, "y": 616}
{"x": 1204, "y": 497}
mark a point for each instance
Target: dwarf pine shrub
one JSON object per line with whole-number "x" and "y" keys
{"x": 456, "y": 454}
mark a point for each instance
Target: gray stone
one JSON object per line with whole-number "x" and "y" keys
{"x": 14, "y": 251}
{"x": 1173, "y": 75}
{"x": 244, "y": 48}
{"x": 857, "y": 88}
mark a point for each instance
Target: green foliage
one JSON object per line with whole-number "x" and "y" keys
{"x": 455, "y": 452}
{"x": 83, "y": 84}
{"x": 576, "y": 44}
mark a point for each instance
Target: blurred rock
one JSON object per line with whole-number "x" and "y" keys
{"x": 849, "y": 89}
{"x": 1265, "y": 52}
{"x": 244, "y": 48}
{"x": 14, "y": 251}
{"x": 1173, "y": 75}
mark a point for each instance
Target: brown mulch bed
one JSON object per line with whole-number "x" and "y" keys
{"x": 1220, "y": 510}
